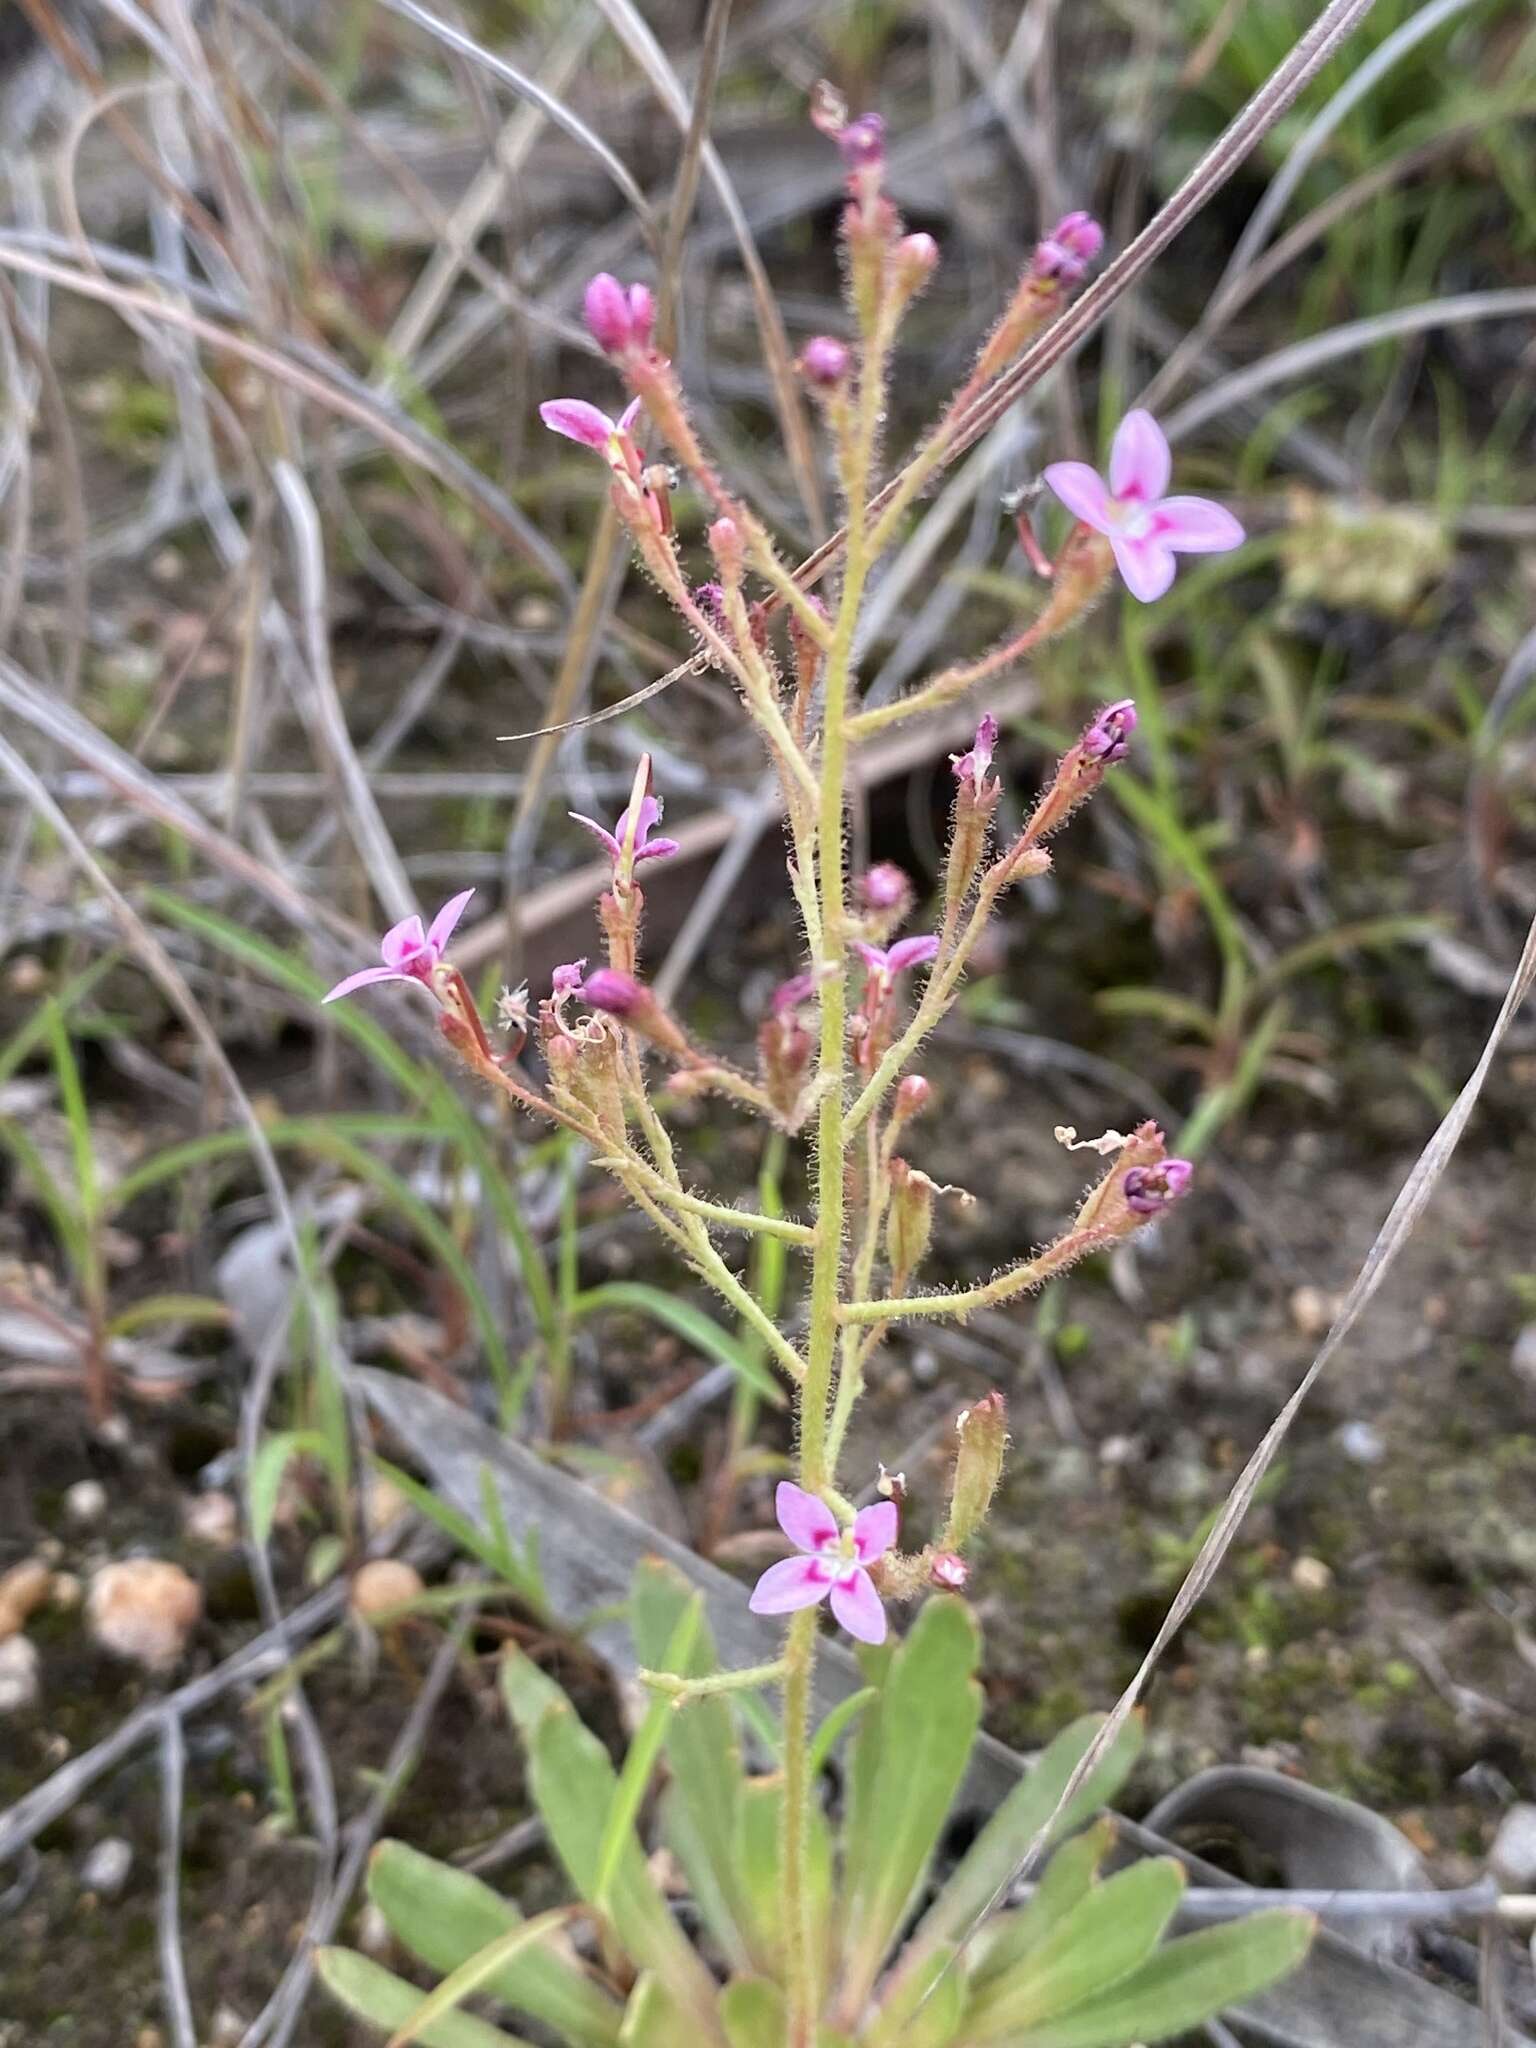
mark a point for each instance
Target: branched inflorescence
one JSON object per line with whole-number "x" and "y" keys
{"x": 836, "y": 1051}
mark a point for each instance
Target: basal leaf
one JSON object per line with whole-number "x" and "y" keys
{"x": 387, "y": 2001}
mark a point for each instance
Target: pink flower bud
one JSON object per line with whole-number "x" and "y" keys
{"x": 619, "y": 321}
{"x": 1066, "y": 252}
{"x": 1151, "y": 1189}
{"x": 1109, "y": 736}
{"x": 725, "y": 545}
{"x": 824, "y": 362}
{"x": 618, "y": 995}
{"x": 913, "y": 1096}
{"x": 862, "y": 142}
{"x": 884, "y": 887}
{"x": 948, "y": 1572}
{"x": 915, "y": 259}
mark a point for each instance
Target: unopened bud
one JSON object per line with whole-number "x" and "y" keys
{"x": 861, "y": 143}
{"x": 824, "y": 362}
{"x": 909, "y": 1221}
{"x": 913, "y": 1096}
{"x": 725, "y": 545}
{"x": 619, "y": 320}
{"x": 947, "y": 1571}
{"x": 913, "y": 261}
{"x": 983, "y": 1439}
{"x": 885, "y": 891}
{"x": 619, "y": 995}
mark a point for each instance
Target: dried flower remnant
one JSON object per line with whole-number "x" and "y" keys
{"x": 1144, "y": 527}
{"x": 833, "y": 1565}
{"x": 410, "y": 953}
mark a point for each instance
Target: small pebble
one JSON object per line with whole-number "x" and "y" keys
{"x": 22, "y": 1589}
{"x": 144, "y": 1608}
{"x": 214, "y": 1519}
{"x": 85, "y": 1502}
{"x": 1311, "y": 1311}
{"x": 1523, "y": 1356}
{"x": 1311, "y": 1575}
{"x": 18, "y": 1675}
{"x": 1512, "y": 1858}
{"x": 1360, "y": 1443}
{"x": 105, "y": 1870}
{"x": 382, "y": 1583}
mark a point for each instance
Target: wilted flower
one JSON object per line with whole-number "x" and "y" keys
{"x": 887, "y": 962}
{"x": 832, "y": 1564}
{"x": 971, "y": 769}
{"x": 409, "y": 952}
{"x": 619, "y": 319}
{"x": 567, "y": 980}
{"x": 1066, "y": 252}
{"x": 1109, "y": 736}
{"x": 1143, "y": 527}
{"x": 645, "y": 848}
{"x": 1150, "y": 1189}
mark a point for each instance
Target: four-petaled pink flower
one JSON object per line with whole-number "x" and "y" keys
{"x": 1145, "y": 528}
{"x": 832, "y": 1565}
{"x": 589, "y": 425}
{"x": 973, "y": 768}
{"x": 889, "y": 961}
{"x": 409, "y": 952}
{"x": 645, "y": 847}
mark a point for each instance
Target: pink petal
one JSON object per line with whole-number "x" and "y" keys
{"x": 1082, "y": 491}
{"x": 361, "y": 979}
{"x": 874, "y": 1530}
{"x": 1196, "y": 526}
{"x": 911, "y": 953}
{"x": 1146, "y": 565}
{"x": 578, "y": 421}
{"x": 628, "y": 416}
{"x": 655, "y": 849}
{"x": 446, "y": 922}
{"x": 614, "y": 846}
{"x": 650, "y": 817}
{"x": 872, "y": 956}
{"x": 857, "y": 1607}
{"x": 1139, "y": 462}
{"x": 402, "y": 942}
{"x": 808, "y": 1522}
{"x": 797, "y": 1582}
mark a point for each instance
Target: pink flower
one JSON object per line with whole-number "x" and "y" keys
{"x": 831, "y": 1564}
{"x": 1151, "y": 1189}
{"x": 645, "y": 847}
{"x": 409, "y": 953}
{"x": 619, "y": 320}
{"x": 1145, "y": 528}
{"x": 889, "y": 961}
{"x": 824, "y": 361}
{"x": 789, "y": 995}
{"x": 578, "y": 421}
{"x": 1066, "y": 252}
{"x": 566, "y": 980}
{"x": 973, "y": 768}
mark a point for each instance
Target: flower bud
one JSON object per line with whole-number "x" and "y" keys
{"x": 913, "y": 1095}
{"x": 1064, "y": 254}
{"x": 725, "y": 544}
{"x": 824, "y": 362}
{"x": 616, "y": 994}
{"x": 913, "y": 261}
{"x": 948, "y": 1572}
{"x": 861, "y": 143}
{"x": 909, "y": 1221}
{"x": 883, "y": 895}
{"x": 982, "y": 1432}
{"x": 619, "y": 321}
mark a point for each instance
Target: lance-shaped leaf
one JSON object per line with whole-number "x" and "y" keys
{"x": 922, "y": 1733}
{"x": 701, "y": 1806}
{"x": 445, "y": 1916}
{"x": 1005, "y": 1941}
{"x": 1188, "y": 1981}
{"x": 574, "y": 1784}
{"x": 387, "y": 2001}
{"x": 1109, "y": 1933}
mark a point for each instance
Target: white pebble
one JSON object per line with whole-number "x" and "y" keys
{"x": 18, "y": 1675}
{"x": 85, "y": 1502}
{"x": 105, "y": 1870}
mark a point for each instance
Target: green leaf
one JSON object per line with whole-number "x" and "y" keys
{"x": 574, "y": 1785}
{"x": 76, "y": 1116}
{"x": 378, "y": 1995}
{"x": 992, "y": 1859}
{"x": 470, "y": 1537}
{"x": 170, "y": 1308}
{"x": 1106, "y": 1935}
{"x": 476, "y": 1973}
{"x": 652, "y": 2020}
{"x": 644, "y": 1749}
{"x": 273, "y": 1456}
{"x": 690, "y": 1322}
{"x": 1011, "y": 1937}
{"x": 922, "y": 2008}
{"x": 445, "y": 1916}
{"x": 757, "y": 1861}
{"x": 929, "y": 1708}
{"x": 701, "y": 1804}
{"x": 826, "y": 1738}
{"x": 1188, "y": 1981}
{"x": 754, "y": 2014}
